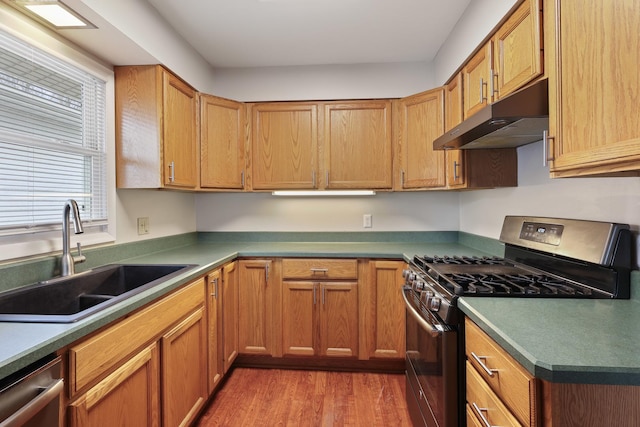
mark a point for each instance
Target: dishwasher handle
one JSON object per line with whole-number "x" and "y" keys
{"x": 35, "y": 405}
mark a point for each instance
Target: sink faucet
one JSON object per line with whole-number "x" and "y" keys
{"x": 69, "y": 261}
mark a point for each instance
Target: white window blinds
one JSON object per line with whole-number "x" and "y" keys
{"x": 52, "y": 140}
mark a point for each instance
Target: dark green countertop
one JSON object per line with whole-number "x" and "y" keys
{"x": 582, "y": 341}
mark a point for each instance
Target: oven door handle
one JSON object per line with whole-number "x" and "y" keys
{"x": 433, "y": 330}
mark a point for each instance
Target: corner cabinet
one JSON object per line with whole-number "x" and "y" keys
{"x": 147, "y": 369}
{"x": 420, "y": 120}
{"x": 156, "y": 133}
{"x": 222, "y": 143}
{"x": 594, "y": 125}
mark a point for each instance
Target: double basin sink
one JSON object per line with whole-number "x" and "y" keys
{"x": 71, "y": 298}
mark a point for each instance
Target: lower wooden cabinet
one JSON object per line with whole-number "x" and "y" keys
{"x": 499, "y": 390}
{"x": 147, "y": 369}
{"x": 184, "y": 364}
{"x": 259, "y": 298}
{"x": 320, "y": 307}
{"x": 384, "y": 312}
{"x": 222, "y": 291}
{"x": 320, "y": 319}
{"x": 130, "y": 396}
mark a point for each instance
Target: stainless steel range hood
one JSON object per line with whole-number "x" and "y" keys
{"x": 515, "y": 120}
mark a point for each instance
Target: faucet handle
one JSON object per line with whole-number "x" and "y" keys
{"x": 79, "y": 258}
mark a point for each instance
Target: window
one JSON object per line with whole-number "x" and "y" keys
{"x": 52, "y": 140}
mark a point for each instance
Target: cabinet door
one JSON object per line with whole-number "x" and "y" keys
{"x": 421, "y": 121}
{"x": 339, "y": 319}
{"x": 357, "y": 145}
{"x": 130, "y": 396}
{"x": 184, "y": 362}
{"x": 284, "y": 146}
{"x": 256, "y": 299}
{"x": 517, "y": 50}
{"x": 229, "y": 307}
{"x": 476, "y": 80}
{"x": 594, "y": 86}
{"x": 453, "y": 113}
{"x": 222, "y": 138}
{"x": 299, "y": 318}
{"x": 214, "y": 327}
{"x": 387, "y": 330}
{"x": 179, "y": 132}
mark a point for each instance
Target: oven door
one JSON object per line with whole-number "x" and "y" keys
{"x": 432, "y": 367}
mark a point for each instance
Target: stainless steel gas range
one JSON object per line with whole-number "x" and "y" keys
{"x": 544, "y": 258}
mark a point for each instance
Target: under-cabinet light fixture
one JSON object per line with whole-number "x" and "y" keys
{"x": 323, "y": 193}
{"x": 54, "y": 13}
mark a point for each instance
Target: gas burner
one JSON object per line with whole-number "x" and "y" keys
{"x": 462, "y": 260}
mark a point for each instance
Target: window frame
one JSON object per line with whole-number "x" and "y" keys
{"x": 49, "y": 242}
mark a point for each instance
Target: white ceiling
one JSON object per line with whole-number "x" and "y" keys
{"x": 259, "y": 33}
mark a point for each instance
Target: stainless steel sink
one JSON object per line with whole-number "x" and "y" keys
{"x": 68, "y": 299}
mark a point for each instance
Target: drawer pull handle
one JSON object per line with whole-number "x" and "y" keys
{"x": 480, "y": 412}
{"x": 480, "y": 359}
{"x": 319, "y": 270}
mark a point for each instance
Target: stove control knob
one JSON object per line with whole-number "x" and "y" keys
{"x": 434, "y": 305}
{"x": 418, "y": 285}
{"x": 406, "y": 273}
{"x": 425, "y": 297}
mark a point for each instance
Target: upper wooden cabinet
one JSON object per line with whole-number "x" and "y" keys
{"x": 476, "y": 76}
{"x": 510, "y": 59}
{"x": 517, "y": 50}
{"x": 284, "y": 146}
{"x": 357, "y": 145}
{"x": 222, "y": 143}
{"x": 156, "y": 135}
{"x": 335, "y": 145}
{"x": 420, "y": 121}
{"x": 592, "y": 56}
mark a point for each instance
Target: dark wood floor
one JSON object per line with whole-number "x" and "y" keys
{"x": 277, "y": 397}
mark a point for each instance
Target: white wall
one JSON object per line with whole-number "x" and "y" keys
{"x": 599, "y": 199}
{"x": 324, "y": 82}
{"x": 420, "y": 211}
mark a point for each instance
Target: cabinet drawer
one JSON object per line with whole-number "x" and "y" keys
{"x": 319, "y": 269}
{"x": 482, "y": 402}
{"x": 92, "y": 358}
{"x": 516, "y": 387}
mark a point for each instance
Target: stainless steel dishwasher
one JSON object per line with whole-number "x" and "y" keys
{"x": 31, "y": 396}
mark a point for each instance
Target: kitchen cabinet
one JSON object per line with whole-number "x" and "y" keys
{"x": 259, "y": 302}
{"x": 156, "y": 134}
{"x": 127, "y": 397}
{"x": 229, "y": 302}
{"x": 517, "y": 50}
{"x": 384, "y": 311}
{"x": 357, "y": 145}
{"x": 420, "y": 121}
{"x": 284, "y": 146}
{"x": 222, "y": 285}
{"x": 453, "y": 116}
{"x": 320, "y": 307}
{"x": 222, "y": 143}
{"x": 215, "y": 329}
{"x": 184, "y": 367}
{"x": 149, "y": 363}
{"x": 508, "y": 60}
{"x": 591, "y": 54}
{"x": 476, "y": 76}
{"x": 499, "y": 390}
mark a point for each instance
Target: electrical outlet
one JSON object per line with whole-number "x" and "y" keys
{"x": 143, "y": 225}
{"x": 366, "y": 220}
